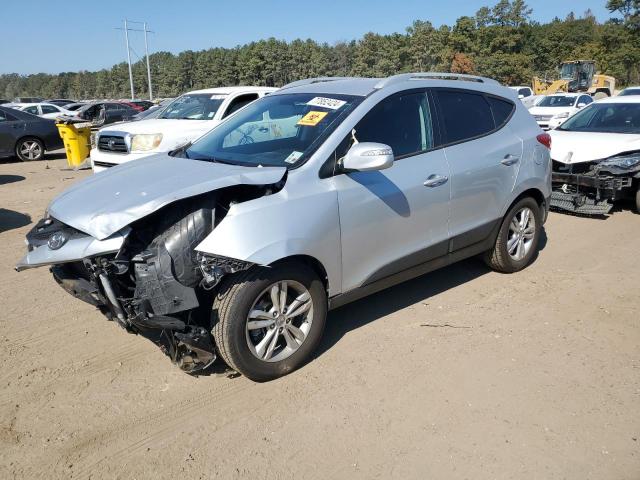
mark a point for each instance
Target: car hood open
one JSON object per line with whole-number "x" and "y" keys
{"x": 109, "y": 201}
{"x": 579, "y": 147}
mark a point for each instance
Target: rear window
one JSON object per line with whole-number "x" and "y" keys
{"x": 465, "y": 115}
{"x": 501, "y": 109}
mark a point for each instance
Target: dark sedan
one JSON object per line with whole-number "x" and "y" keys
{"x": 104, "y": 113}
{"x": 26, "y": 136}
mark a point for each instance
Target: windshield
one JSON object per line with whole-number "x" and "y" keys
{"x": 557, "y": 101}
{"x": 277, "y": 130}
{"x": 568, "y": 71}
{"x": 629, "y": 91}
{"x": 194, "y": 106}
{"x": 606, "y": 118}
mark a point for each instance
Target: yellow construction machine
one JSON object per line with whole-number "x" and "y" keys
{"x": 577, "y": 76}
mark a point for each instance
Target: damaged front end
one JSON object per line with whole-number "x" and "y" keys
{"x": 148, "y": 277}
{"x": 590, "y": 188}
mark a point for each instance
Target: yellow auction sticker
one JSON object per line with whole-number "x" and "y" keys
{"x": 312, "y": 118}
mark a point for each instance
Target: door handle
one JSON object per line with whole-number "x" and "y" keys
{"x": 510, "y": 159}
{"x": 435, "y": 180}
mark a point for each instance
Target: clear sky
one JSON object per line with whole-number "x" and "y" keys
{"x": 45, "y": 36}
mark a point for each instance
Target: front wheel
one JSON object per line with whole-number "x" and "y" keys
{"x": 30, "y": 149}
{"x": 638, "y": 199}
{"x": 267, "y": 321}
{"x": 518, "y": 238}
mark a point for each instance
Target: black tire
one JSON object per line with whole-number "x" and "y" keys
{"x": 498, "y": 258}
{"x": 237, "y": 295}
{"x": 22, "y": 144}
{"x": 638, "y": 199}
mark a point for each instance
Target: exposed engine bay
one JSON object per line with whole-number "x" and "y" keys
{"x": 156, "y": 284}
{"x": 590, "y": 188}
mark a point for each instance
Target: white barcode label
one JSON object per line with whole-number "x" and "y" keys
{"x": 325, "y": 102}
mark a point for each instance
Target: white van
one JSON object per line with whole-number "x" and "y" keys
{"x": 186, "y": 118}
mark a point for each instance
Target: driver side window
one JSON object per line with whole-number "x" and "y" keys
{"x": 402, "y": 121}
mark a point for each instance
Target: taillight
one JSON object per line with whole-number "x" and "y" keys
{"x": 544, "y": 139}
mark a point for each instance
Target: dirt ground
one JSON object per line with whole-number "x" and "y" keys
{"x": 460, "y": 374}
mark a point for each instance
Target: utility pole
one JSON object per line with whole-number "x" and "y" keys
{"x": 146, "y": 52}
{"x": 126, "y": 37}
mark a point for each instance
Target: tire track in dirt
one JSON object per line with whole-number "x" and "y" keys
{"x": 116, "y": 442}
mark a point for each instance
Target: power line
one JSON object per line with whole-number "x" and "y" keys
{"x": 146, "y": 51}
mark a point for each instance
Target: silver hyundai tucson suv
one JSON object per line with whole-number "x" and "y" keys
{"x": 322, "y": 192}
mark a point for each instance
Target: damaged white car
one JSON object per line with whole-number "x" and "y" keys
{"x": 596, "y": 157}
{"x": 311, "y": 197}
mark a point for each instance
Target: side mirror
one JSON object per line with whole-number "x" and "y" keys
{"x": 580, "y": 105}
{"x": 520, "y": 96}
{"x": 368, "y": 156}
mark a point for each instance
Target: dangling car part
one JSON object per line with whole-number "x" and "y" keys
{"x": 596, "y": 157}
{"x": 237, "y": 245}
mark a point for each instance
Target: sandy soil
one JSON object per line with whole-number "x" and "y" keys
{"x": 528, "y": 376}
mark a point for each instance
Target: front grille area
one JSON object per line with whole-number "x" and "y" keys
{"x": 542, "y": 118}
{"x": 112, "y": 143}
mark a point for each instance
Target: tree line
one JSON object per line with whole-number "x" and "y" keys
{"x": 501, "y": 41}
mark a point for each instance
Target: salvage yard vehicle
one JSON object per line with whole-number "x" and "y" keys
{"x": 577, "y": 76}
{"x": 182, "y": 121}
{"x": 105, "y": 113}
{"x": 596, "y": 157}
{"x": 552, "y": 110}
{"x": 26, "y": 136}
{"x": 321, "y": 193}
{"x": 629, "y": 91}
{"x": 44, "y": 110}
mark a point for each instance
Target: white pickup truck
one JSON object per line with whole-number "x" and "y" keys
{"x": 185, "y": 119}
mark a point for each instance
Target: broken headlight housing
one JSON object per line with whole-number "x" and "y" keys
{"x": 622, "y": 161}
{"x": 143, "y": 142}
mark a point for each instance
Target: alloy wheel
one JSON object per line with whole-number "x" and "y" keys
{"x": 522, "y": 230}
{"x": 279, "y": 321}
{"x": 31, "y": 150}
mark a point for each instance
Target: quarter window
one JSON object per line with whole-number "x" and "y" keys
{"x": 501, "y": 110}
{"x": 465, "y": 115}
{"x": 403, "y": 122}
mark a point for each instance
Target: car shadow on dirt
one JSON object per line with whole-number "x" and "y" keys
{"x": 357, "y": 314}
{"x": 10, "y": 219}
{"x": 4, "y": 179}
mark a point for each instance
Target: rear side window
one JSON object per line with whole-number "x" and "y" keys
{"x": 49, "y": 109}
{"x": 239, "y": 102}
{"x": 501, "y": 109}
{"x": 465, "y": 115}
{"x": 402, "y": 121}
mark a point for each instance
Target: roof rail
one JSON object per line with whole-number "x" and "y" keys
{"x": 309, "y": 81}
{"x": 385, "y": 82}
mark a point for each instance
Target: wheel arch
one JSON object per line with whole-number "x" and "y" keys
{"x": 534, "y": 193}
{"x": 312, "y": 262}
{"x": 24, "y": 137}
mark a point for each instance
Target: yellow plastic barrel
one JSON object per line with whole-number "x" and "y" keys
{"x": 77, "y": 142}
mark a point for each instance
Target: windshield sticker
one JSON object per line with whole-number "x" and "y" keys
{"x": 312, "y": 118}
{"x": 218, "y": 97}
{"x": 293, "y": 158}
{"x": 324, "y": 102}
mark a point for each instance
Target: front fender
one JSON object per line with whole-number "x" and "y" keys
{"x": 278, "y": 226}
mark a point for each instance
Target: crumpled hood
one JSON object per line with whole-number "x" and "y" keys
{"x": 579, "y": 147}
{"x": 106, "y": 202}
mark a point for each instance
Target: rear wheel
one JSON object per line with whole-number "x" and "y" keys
{"x": 268, "y": 321}
{"x": 518, "y": 238}
{"x": 638, "y": 199}
{"x": 30, "y": 149}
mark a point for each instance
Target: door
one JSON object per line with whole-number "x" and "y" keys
{"x": 394, "y": 219}
{"x": 484, "y": 156}
{"x": 8, "y": 125}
